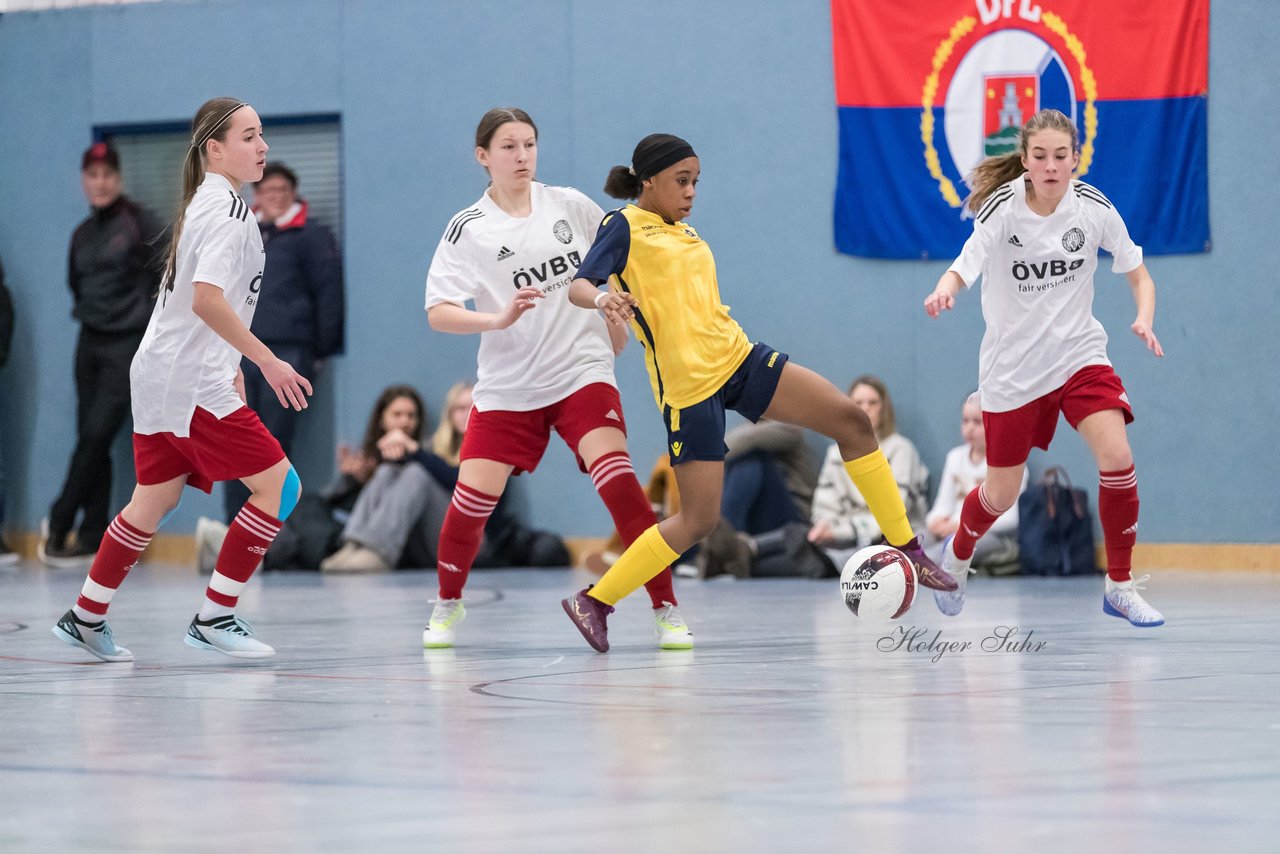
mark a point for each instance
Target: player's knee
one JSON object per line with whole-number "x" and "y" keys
{"x": 290, "y": 492}
{"x": 169, "y": 511}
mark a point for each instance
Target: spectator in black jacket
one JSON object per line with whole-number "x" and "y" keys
{"x": 113, "y": 272}
{"x": 301, "y": 314}
{"x": 6, "y": 337}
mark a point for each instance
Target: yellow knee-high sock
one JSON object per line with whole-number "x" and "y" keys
{"x": 874, "y": 479}
{"x": 644, "y": 559}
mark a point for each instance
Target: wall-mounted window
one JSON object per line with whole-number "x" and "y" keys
{"x": 151, "y": 162}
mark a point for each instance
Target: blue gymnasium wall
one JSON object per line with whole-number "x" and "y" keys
{"x": 750, "y": 84}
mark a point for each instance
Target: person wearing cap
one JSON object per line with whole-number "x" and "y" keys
{"x": 113, "y": 272}
{"x": 701, "y": 363}
{"x": 300, "y": 315}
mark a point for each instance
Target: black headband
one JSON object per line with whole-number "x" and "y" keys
{"x": 197, "y": 143}
{"x": 658, "y": 151}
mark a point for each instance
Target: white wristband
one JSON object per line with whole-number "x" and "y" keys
{"x": 600, "y": 296}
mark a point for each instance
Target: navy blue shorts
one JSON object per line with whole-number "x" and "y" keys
{"x": 697, "y": 432}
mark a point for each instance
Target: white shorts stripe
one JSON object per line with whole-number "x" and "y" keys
{"x": 219, "y": 583}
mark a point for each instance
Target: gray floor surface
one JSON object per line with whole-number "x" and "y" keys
{"x": 792, "y": 727}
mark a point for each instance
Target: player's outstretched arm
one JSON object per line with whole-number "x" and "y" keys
{"x": 451, "y": 317}
{"x": 1144, "y": 296}
{"x": 943, "y": 297}
{"x": 210, "y": 305}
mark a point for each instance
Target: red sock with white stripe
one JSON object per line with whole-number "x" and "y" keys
{"x": 1118, "y": 511}
{"x": 976, "y": 518}
{"x": 615, "y": 479}
{"x": 117, "y": 554}
{"x": 460, "y": 537}
{"x": 248, "y": 538}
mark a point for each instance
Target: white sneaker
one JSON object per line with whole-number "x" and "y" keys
{"x": 229, "y": 635}
{"x": 673, "y": 631}
{"x": 209, "y": 536}
{"x": 951, "y": 602}
{"x": 1122, "y": 599}
{"x": 95, "y": 638}
{"x": 440, "y": 632}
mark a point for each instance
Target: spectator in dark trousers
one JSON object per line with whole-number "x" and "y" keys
{"x": 301, "y": 314}
{"x": 6, "y": 337}
{"x": 113, "y": 273}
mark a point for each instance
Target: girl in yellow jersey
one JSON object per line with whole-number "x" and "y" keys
{"x": 701, "y": 363}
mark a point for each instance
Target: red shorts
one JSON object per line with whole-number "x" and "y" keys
{"x": 228, "y": 449}
{"x": 1011, "y": 435}
{"x": 520, "y": 438}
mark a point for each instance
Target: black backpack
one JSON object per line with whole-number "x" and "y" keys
{"x": 1055, "y": 528}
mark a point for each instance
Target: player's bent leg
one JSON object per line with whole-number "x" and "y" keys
{"x": 807, "y": 399}
{"x": 85, "y": 623}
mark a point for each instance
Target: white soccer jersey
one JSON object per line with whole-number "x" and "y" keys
{"x": 1037, "y": 289}
{"x": 485, "y": 255}
{"x": 182, "y": 363}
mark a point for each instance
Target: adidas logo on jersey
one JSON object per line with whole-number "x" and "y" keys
{"x": 504, "y": 253}
{"x": 1014, "y": 241}
{"x": 612, "y": 415}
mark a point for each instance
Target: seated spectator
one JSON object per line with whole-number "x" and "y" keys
{"x": 397, "y": 517}
{"x": 964, "y": 469}
{"x": 842, "y": 522}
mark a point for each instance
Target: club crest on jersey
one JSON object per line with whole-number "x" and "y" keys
{"x": 990, "y": 73}
{"x": 1073, "y": 240}
{"x": 562, "y": 231}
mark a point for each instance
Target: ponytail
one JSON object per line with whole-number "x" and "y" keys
{"x": 991, "y": 173}
{"x": 622, "y": 183}
{"x": 211, "y": 122}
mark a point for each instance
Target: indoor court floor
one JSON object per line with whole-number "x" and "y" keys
{"x": 792, "y": 727}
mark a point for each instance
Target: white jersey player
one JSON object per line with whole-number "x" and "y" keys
{"x": 543, "y": 363}
{"x": 1035, "y": 242}
{"x": 190, "y": 422}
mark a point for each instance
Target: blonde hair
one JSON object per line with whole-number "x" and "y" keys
{"x": 996, "y": 171}
{"x": 212, "y": 121}
{"x": 446, "y": 442}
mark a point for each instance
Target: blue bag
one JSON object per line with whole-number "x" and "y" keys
{"x": 1055, "y": 528}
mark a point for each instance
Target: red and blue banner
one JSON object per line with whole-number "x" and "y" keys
{"x": 926, "y": 89}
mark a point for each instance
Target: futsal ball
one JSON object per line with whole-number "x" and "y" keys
{"x": 878, "y": 583}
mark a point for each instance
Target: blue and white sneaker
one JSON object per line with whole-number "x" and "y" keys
{"x": 951, "y": 602}
{"x": 94, "y": 638}
{"x": 229, "y": 635}
{"x": 1122, "y": 599}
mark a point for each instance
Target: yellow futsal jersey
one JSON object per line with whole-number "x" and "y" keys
{"x": 691, "y": 344}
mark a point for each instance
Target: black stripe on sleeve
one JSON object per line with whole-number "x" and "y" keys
{"x": 998, "y": 197}
{"x": 459, "y": 222}
{"x": 992, "y": 206}
{"x": 1086, "y": 191}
